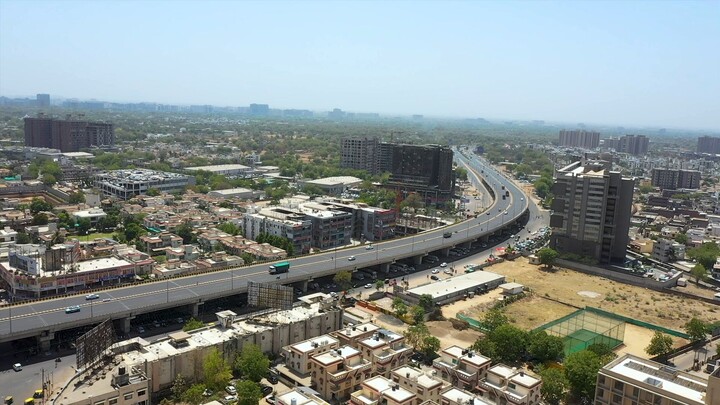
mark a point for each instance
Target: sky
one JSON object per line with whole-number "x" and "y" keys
{"x": 651, "y": 63}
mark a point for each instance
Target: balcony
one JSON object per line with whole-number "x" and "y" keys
{"x": 466, "y": 375}
{"x": 359, "y": 398}
{"x": 348, "y": 371}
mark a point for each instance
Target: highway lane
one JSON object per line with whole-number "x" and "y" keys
{"x": 32, "y": 318}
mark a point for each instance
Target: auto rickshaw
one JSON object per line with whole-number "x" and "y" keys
{"x": 30, "y": 401}
{"x": 38, "y": 394}
{"x": 8, "y": 400}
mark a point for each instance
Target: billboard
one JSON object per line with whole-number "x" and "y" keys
{"x": 263, "y": 295}
{"x": 92, "y": 345}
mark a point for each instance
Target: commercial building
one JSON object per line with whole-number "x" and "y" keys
{"x": 674, "y": 179}
{"x": 277, "y": 221}
{"x": 360, "y": 154}
{"x": 330, "y": 227}
{"x": 422, "y": 169}
{"x": 67, "y": 135}
{"x": 183, "y": 352}
{"x": 591, "y": 211}
{"x": 708, "y": 144}
{"x": 225, "y": 170}
{"x": 244, "y": 193}
{"x": 457, "y": 288}
{"x": 129, "y": 183}
{"x": 579, "y": 138}
{"x": 631, "y": 379}
{"x": 333, "y": 185}
{"x": 124, "y": 386}
{"x": 369, "y": 223}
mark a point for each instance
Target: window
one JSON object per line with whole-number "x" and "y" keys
{"x": 600, "y": 393}
{"x": 618, "y": 385}
{"x": 128, "y": 396}
{"x": 617, "y": 399}
{"x": 511, "y": 386}
{"x": 635, "y": 392}
{"x": 141, "y": 393}
{"x": 601, "y": 380}
{"x": 100, "y": 403}
{"x": 113, "y": 401}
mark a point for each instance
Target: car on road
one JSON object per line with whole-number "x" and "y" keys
{"x": 443, "y": 264}
{"x": 17, "y": 367}
{"x": 435, "y": 271}
{"x": 231, "y": 390}
{"x": 72, "y": 309}
{"x": 368, "y": 285}
{"x": 333, "y": 294}
{"x": 180, "y": 320}
{"x": 448, "y": 271}
{"x": 107, "y": 300}
{"x": 91, "y": 297}
{"x": 369, "y": 247}
{"x": 434, "y": 277}
{"x": 266, "y": 389}
{"x": 140, "y": 329}
{"x": 351, "y": 258}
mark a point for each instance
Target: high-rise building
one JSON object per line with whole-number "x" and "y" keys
{"x": 68, "y": 135}
{"x": 259, "y": 109}
{"x": 634, "y": 380}
{"x": 43, "y": 100}
{"x": 579, "y": 138}
{"x": 674, "y": 179}
{"x": 360, "y": 153}
{"x": 634, "y": 144}
{"x": 708, "y": 144}
{"x": 591, "y": 215}
{"x": 422, "y": 169}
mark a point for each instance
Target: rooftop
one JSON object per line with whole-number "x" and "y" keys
{"x": 456, "y": 284}
{"x": 417, "y": 375}
{"x": 218, "y": 168}
{"x": 333, "y": 181}
{"x": 385, "y": 387}
{"x": 138, "y": 176}
{"x": 320, "y": 341}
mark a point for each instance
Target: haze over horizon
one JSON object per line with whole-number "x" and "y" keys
{"x": 614, "y": 63}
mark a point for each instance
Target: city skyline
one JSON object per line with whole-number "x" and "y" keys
{"x": 629, "y": 63}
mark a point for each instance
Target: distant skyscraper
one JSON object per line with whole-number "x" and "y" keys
{"x": 43, "y": 100}
{"x": 360, "y": 153}
{"x": 591, "y": 211}
{"x": 67, "y": 135}
{"x": 708, "y": 144}
{"x": 634, "y": 144}
{"x": 673, "y": 179}
{"x": 259, "y": 109}
{"x": 580, "y": 139}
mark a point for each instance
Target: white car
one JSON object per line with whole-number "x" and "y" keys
{"x": 443, "y": 264}
{"x": 91, "y": 297}
{"x": 448, "y": 271}
{"x": 351, "y": 258}
{"x": 369, "y": 247}
{"x": 435, "y": 271}
{"x": 333, "y": 294}
{"x": 231, "y": 390}
{"x": 368, "y": 285}
{"x": 17, "y": 366}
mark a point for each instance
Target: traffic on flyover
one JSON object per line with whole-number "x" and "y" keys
{"x": 49, "y": 315}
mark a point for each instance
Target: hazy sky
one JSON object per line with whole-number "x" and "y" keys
{"x": 625, "y": 63}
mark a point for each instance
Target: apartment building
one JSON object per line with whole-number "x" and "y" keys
{"x": 425, "y": 386}
{"x": 456, "y": 396}
{"x": 126, "y": 386}
{"x": 506, "y": 385}
{"x": 634, "y": 380}
{"x": 665, "y": 250}
{"x": 297, "y": 356}
{"x": 634, "y": 144}
{"x": 300, "y": 396}
{"x": 351, "y": 335}
{"x": 708, "y": 144}
{"x": 369, "y": 223}
{"x": 379, "y": 390}
{"x": 675, "y": 179}
{"x": 360, "y": 153}
{"x": 156, "y": 244}
{"x": 463, "y": 368}
{"x": 385, "y": 350}
{"x": 69, "y": 135}
{"x": 591, "y": 211}
{"x": 579, "y": 138}
{"x": 339, "y": 372}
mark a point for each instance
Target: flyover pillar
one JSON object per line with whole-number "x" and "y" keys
{"x": 44, "y": 340}
{"x": 466, "y": 245}
{"x": 418, "y": 259}
{"x": 194, "y": 309}
{"x": 304, "y": 286}
{"x": 385, "y": 267}
{"x": 445, "y": 251}
{"x": 124, "y": 324}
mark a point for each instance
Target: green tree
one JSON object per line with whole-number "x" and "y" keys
{"x": 83, "y": 226}
{"x": 399, "y": 306}
{"x": 48, "y": 179}
{"x": 660, "y": 344}
{"x": 495, "y": 318}
{"x": 706, "y": 254}
{"x": 544, "y": 347}
{"x": 486, "y": 347}
{"x": 555, "y": 385}
{"x": 248, "y": 392}
{"x": 179, "y": 386}
{"x": 153, "y": 192}
{"x": 379, "y": 284}
{"x": 430, "y": 344}
{"x": 76, "y": 198}
{"x": 133, "y": 231}
{"x": 229, "y": 227}
{"x": 510, "y": 342}
{"x": 418, "y": 314}
{"x": 38, "y": 204}
{"x": 216, "y": 371}
{"x": 40, "y": 218}
{"x": 192, "y": 324}
{"x": 646, "y": 188}
{"x": 23, "y": 238}
{"x": 697, "y": 330}
{"x": 699, "y": 273}
{"x": 581, "y": 370}
{"x": 194, "y": 394}
{"x": 681, "y": 238}
{"x": 185, "y": 231}
{"x": 426, "y": 302}
{"x": 252, "y": 363}
{"x": 343, "y": 278}
{"x": 415, "y": 335}
{"x": 461, "y": 173}
{"x": 547, "y": 256}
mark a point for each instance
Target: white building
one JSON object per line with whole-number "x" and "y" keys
{"x": 225, "y": 170}
{"x": 126, "y": 184}
{"x": 93, "y": 215}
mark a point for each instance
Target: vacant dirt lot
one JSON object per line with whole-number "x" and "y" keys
{"x": 565, "y": 285}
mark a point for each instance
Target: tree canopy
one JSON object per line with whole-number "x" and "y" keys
{"x": 252, "y": 363}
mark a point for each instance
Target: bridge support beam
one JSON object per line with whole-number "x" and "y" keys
{"x": 385, "y": 267}
{"x": 445, "y": 251}
{"x": 304, "y": 286}
{"x": 194, "y": 309}
{"x": 418, "y": 259}
{"x": 124, "y": 324}
{"x": 467, "y": 244}
{"x": 44, "y": 340}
